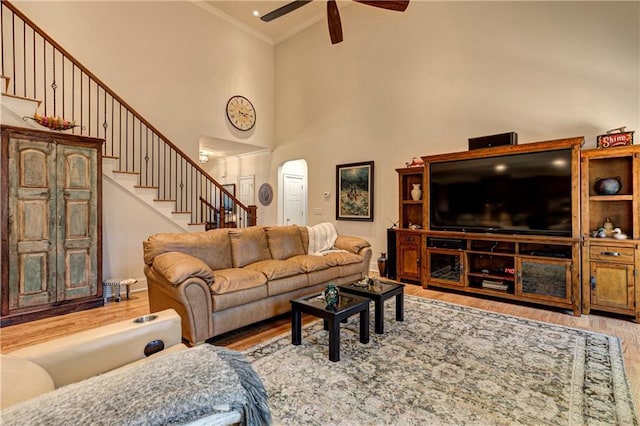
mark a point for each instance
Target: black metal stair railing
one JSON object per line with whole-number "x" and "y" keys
{"x": 39, "y": 68}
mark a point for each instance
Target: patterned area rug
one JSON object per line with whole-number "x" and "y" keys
{"x": 447, "y": 365}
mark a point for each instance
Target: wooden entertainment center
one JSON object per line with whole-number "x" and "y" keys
{"x": 574, "y": 270}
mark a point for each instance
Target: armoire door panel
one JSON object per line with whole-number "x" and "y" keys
{"x": 31, "y": 230}
{"x": 77, "y": 201}
{"x": 77, "y": 219}
{"x": 32, "y": 220}
{"x": 79, "y": 280}
{"x": 30, "y": 285}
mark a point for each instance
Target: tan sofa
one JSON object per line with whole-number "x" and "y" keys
{"x": 224, "y": 279}
{"x": 111, "y": 375}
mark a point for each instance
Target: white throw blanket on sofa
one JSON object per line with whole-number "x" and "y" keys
{"x": 322, "y": 237}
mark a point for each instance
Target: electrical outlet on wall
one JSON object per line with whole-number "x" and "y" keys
{"x": 317, "y": 211}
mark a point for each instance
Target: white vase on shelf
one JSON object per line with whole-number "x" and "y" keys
{"x": 416, "y": 192}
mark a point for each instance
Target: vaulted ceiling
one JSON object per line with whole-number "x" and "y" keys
{"x": 279, "y": 29}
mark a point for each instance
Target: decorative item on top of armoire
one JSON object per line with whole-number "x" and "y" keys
{"x": 382, "y": 264}
{"x": 52, "y": 122}
{"x": 51, "y": 224}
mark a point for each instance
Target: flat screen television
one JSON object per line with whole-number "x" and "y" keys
{"x": 526, "y": 193}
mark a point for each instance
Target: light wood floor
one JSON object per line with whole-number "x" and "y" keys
{"x": 17, "y": 336}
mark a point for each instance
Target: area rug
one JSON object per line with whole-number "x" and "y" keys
{"x": 447, "y": 365}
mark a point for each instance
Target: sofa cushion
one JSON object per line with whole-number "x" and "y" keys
{"x": 285, "y": 285}
{"x": 343, "y": 257}
{"x": 177, "y": 267}
{"x": 275, "y": 269}
{"x": 321, "y": 237}
{"x": 212, "y": 247}
{"x": 248, "y": 245}
{"x": 21, "y": 380}
{"x": 284, "y": 241}
{"x": 312, "y": 263}
{"x": 352, "y": 244}
{"x": 323, "y": 276}
{"x": 236, "y": 279}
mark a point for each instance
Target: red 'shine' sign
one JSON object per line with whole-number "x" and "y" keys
{"x": 615, "y": 139}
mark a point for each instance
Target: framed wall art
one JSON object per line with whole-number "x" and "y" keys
{"x": 354, "y": 191}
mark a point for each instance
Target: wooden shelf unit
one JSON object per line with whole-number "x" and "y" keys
{"x": 410, "y": 209}
{"x": 610, "y": 266}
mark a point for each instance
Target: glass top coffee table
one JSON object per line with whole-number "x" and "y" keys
{"x": 347, "y": 306}
{"x": 378, "y": 291}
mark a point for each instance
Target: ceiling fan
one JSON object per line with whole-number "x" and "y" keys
{"x": 333, "y": 16}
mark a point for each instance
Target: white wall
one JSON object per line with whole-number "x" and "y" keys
{"x": 177, "y": 65}
{"x": 174, "y": 62}
{"x": 424, "y": 81}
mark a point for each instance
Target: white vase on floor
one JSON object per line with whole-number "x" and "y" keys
{"x": 416, "y": 192}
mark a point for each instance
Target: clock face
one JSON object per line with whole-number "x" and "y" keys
{"x": 241, "y": 113}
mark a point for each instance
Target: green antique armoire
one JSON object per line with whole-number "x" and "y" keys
{"x": 51, "y": 224}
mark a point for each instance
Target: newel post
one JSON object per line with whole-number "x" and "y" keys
{"x": 252, "y": 215}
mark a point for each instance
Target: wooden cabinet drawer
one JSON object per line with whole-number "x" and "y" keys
{"x": 408, "y": 239}
{"x": 611, "y": 254}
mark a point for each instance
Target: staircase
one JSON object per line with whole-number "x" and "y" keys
{"x": 38, "y": 75}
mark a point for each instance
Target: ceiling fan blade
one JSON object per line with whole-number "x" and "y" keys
{"x": 333, "y": 19}
{"x": 399, "y": 6}
{"x": 283, "y": 10}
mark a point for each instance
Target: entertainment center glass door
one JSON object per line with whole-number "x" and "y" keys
{"x": 445, "y": 266}
{"x": 547, "y": 279}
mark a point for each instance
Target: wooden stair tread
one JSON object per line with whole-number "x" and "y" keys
{"x": 22, "y": 97}
{"x": 125, "y": 172}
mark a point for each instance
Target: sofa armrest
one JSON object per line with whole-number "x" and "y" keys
{"x": 177, "y": 267}
{"x": 352, "y": 244}
{"x": 78, "y": 356}
{"x": 191, "y": 298}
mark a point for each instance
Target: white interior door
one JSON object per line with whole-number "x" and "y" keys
{"x": 246, "y": 190}
{"x": 294, "y": 196}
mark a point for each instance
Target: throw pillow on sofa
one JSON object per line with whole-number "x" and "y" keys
{"x": 284, "y": 241}
{"x": 248, "y": 245}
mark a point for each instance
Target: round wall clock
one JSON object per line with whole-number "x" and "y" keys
{"x": 241, "y": 113}
{"x": 265, "y": 194}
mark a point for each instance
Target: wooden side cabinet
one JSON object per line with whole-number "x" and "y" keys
{"x": 611, "y": 279}
{"x": 409, "y": 255}
{"x": 51, "y": 224}
{"x": 610, "y": 265}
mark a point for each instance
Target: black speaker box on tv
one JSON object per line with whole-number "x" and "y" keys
{"x": 510, "y": 138}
